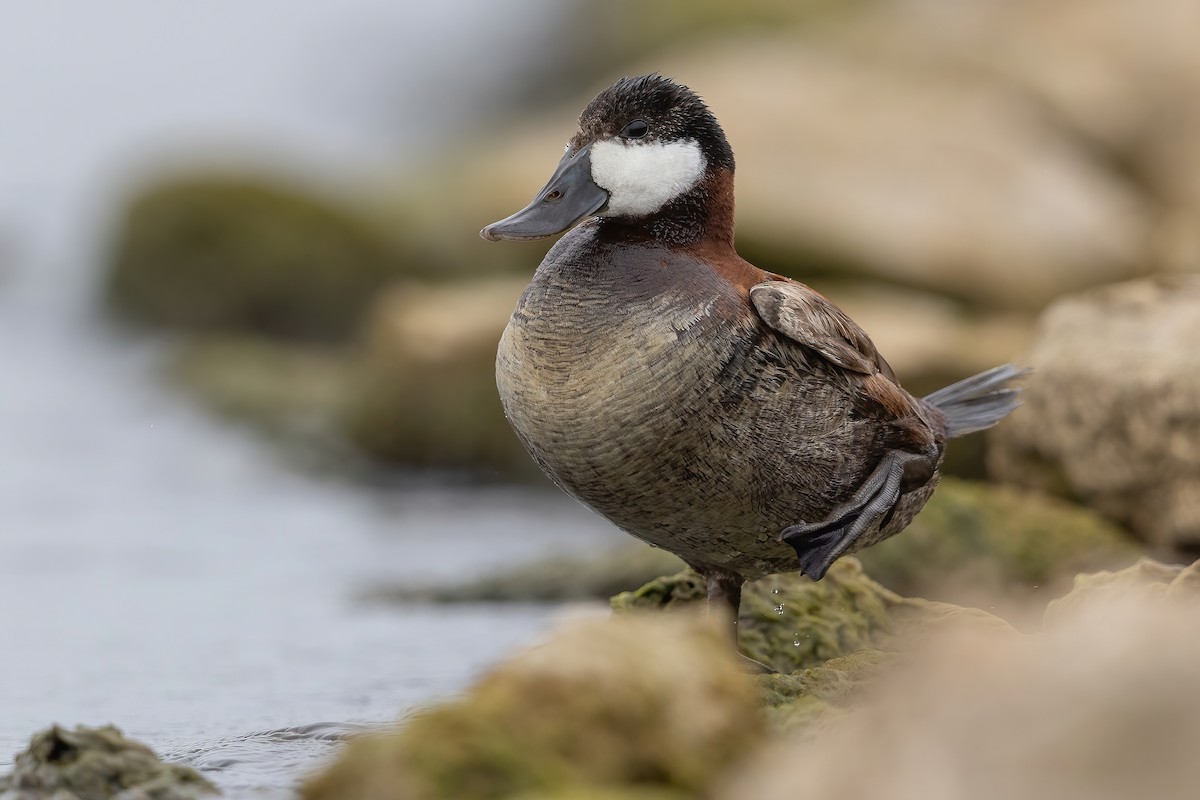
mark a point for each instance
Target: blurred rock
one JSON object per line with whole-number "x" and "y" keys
{"x": 656, "y": 707}
{"x": 791, "y": 623}
{"x": 215, "y": 253}
{"x": 263, "y": 381}
{"x": 1173, "y": 167}
{"x": 1125, "y": 79}
{"x": 996, "y": 546}
{"x": 552, "y": 580}
{"x": 94, "y": 764}
{"x": 938, "y": 179}
{"x": 930, "y": 340}
{"x": 426, "y": 389}
{"x": 1114, "y": 71}
{"x": 1112, "y": 414}
{"x": 293, "y": 393}
{"x": 1104, "y": 705}
{"x": 1146, "y": 582}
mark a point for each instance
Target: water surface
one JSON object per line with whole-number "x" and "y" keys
{"x": 160, "y": 570}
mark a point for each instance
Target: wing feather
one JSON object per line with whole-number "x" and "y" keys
{"x": 805, "y": 316}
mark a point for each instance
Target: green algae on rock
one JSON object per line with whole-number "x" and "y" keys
{"x": 801, "y": 701}
{"x": 222, "y": 253}
{"x": 657, "y": 706}
{"x": 558, "y": 579}
{"x": 95, "y": 764}
{"x": 975, "y": 540}
{"x": 791, "y": 623}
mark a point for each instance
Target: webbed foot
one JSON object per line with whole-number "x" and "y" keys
{"x": 819, "y": 544}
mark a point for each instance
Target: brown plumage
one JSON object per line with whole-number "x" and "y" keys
{"x": 734, "y": 417}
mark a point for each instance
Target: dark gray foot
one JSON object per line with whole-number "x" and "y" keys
{"x": 725, "y": 598}
{"x": 819, "y": 544}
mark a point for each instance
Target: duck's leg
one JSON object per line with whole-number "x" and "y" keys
{"x": 725, "y": 598}
{"x": 819, "y": 544}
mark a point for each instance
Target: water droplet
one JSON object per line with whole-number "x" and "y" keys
{"x": 795, "y": 643}
{"x": 779, "y": 609}
{"x": 776, "y": 590}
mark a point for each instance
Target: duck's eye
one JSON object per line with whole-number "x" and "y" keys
{"x": 636, "y": 129}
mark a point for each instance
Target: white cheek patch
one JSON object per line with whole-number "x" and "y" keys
{"x": 642, "y": 178}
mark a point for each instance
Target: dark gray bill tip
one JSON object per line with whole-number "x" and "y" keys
{"x": 567, "y": 198}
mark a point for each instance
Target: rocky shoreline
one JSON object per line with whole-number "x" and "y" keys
{"x": 650, "y": 703}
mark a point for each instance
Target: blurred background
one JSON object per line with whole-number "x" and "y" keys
{"x": 247, "y": 402}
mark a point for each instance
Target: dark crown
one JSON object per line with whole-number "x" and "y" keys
{"x": 672, "y": 110}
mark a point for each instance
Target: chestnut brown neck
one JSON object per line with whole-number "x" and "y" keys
{"x": 703, "y": 217}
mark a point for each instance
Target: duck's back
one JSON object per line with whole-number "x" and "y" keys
{"x": 642, "y": 381}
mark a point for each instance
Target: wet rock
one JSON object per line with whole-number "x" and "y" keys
{"x": 977, "y": 543}
{"x": 1112, "y": 414}
{"x": 656, "y": 706}
{"x": 565, "y": 578}
{"x": 426, "y": 389}
{"x": 792, "y": 623}
{"x": 1103, "y": 704}
{"x": 215, "y": 253}
{"x": 96, "y": 764}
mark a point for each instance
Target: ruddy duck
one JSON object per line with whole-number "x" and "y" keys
{"x": 729, "y": 415}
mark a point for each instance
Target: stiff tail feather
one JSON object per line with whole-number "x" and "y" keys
{"x": 980, "y": 401}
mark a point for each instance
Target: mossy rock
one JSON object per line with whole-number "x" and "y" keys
{"x": 655, "y": 706}
{"x": 975, "y": 541}
{"x": 97, "y": 763}
{"x": 226, "y": 253}
{"x": 425, "y": 388}
{"x": 802, "y": 701}
{"x": 791, "y": 623}
{"x": 550, "y": 580}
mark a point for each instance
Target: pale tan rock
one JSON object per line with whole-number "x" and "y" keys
{"x": 1123, "y": 77}
{"x": 1112, "y": 413}
{"x": 1146, "y": 582}
{"x": 1116, "y": 71}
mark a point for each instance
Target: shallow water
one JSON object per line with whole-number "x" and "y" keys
{"x": 162, "y": 572}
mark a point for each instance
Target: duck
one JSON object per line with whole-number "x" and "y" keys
{"x": 732, "y": 416}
